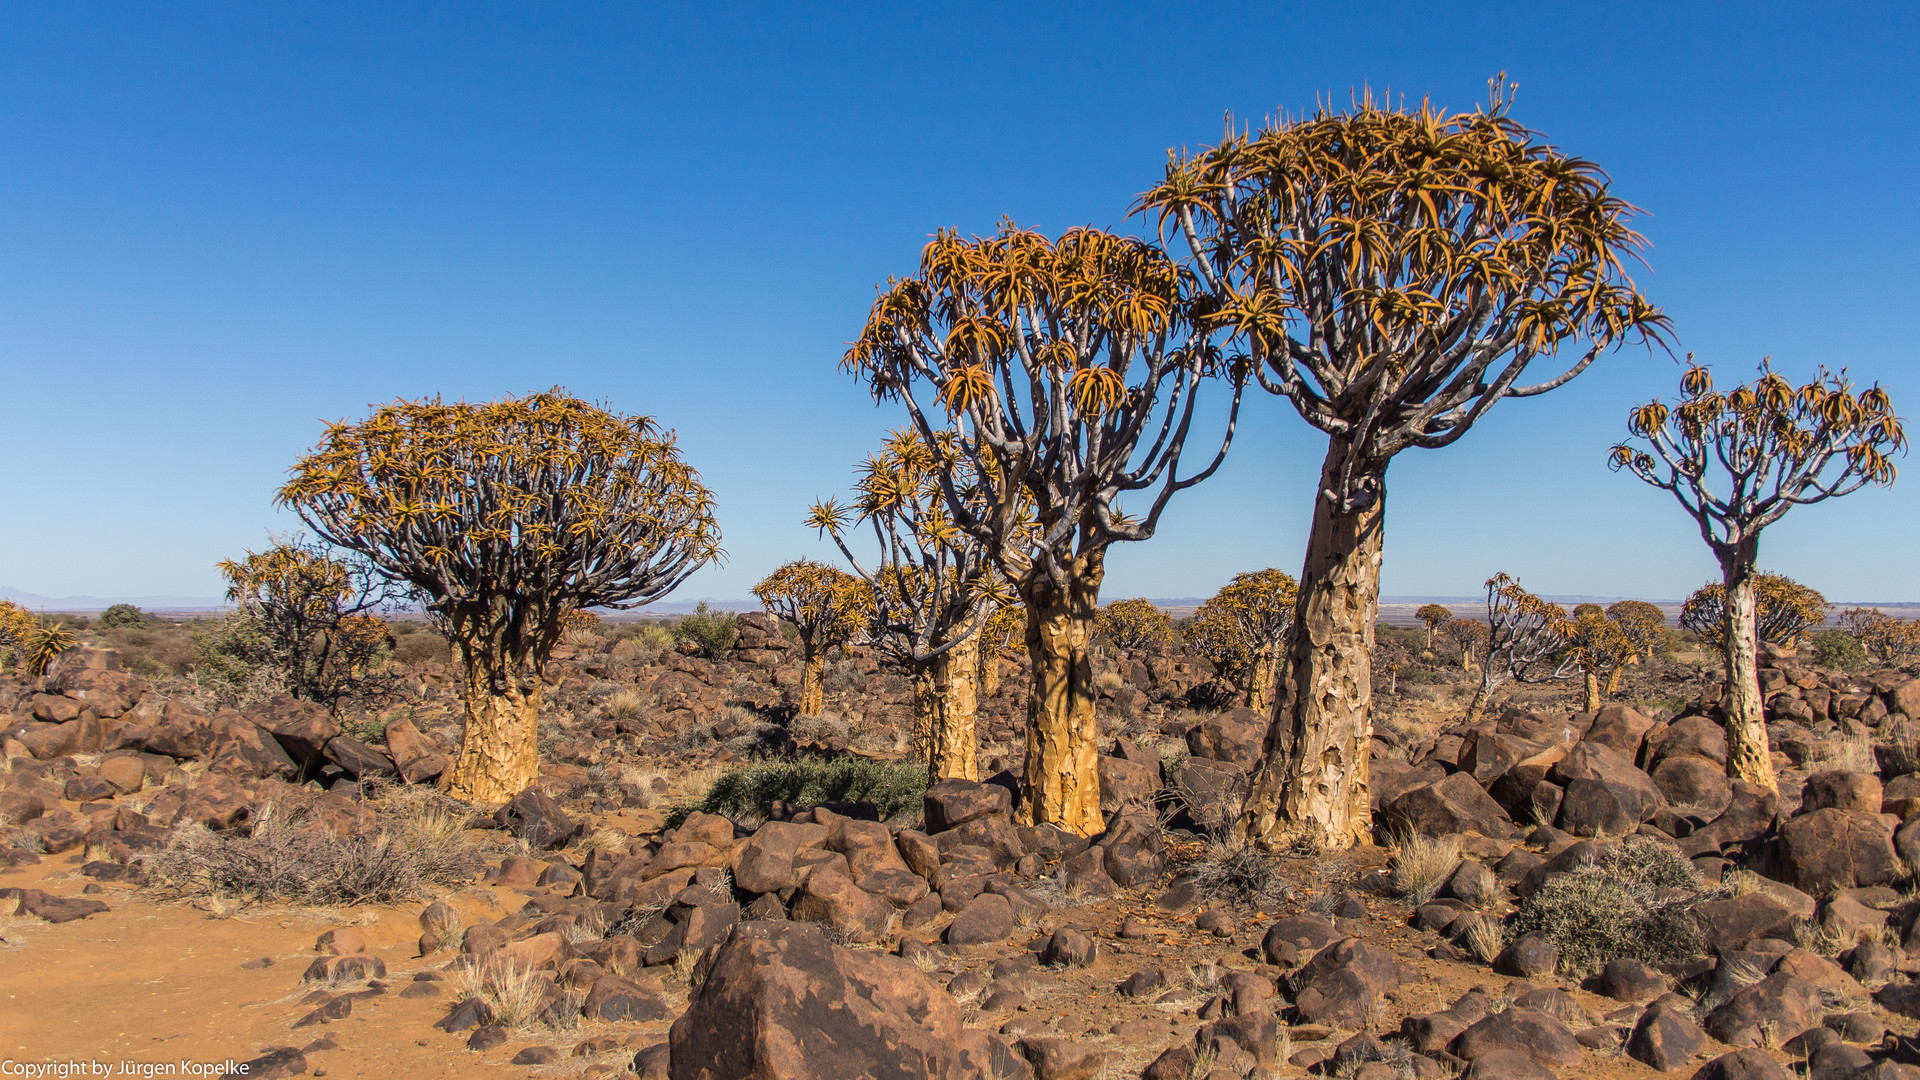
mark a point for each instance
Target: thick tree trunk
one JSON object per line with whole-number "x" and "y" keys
{"x": 1313, "y": 777}
{"x": 953, "y": 749}
{"x": 1618, "y": 675}
{"x": 989, "y": 673}
{"x": 500, "y": 752}
{"x": 813, "y": 692}
{"x": 1749, "y": 757}
{"x": 1266, "y": 672}
{"x": 1593, "y": 691}
{"x": 1063, "y": 778}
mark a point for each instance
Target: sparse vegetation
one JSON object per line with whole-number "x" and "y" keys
{"x": 1635, "y": 902}
{"x": 712, "y": 632}
{"x": 894, "y": 788}
{"x": 1421, "y": 865}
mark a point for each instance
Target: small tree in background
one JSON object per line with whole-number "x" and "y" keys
{"x": 122, "y": 617}
{"x": 508, "y": 516}
{"x": 1783, "y": 610}
{"x": 1243, "y": 628}
{"x": 1470, "y": 635}
{"x": 1890, "y": 640}
{"x": 17, "y": 624}
{"x": 1435, "y": 616}
{"x": 1737, "y": 462}
{"x": 1134, "y": 624}
{"x": 1527, "y": 640}
{"x": 1004, "y": 637}
{"x": 305, "y": 616}
{"x": 1394, "y": 275}
{"x": 1598, "y": 646}
{"x": 1070, "y": 369}
{"x": 933, "y": 587}
{"x": 827, "y": 606}
{"x": 1646, "y": 626}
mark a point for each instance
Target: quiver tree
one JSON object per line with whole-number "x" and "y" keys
{"x": 506, "y": 517}
{"x": 1003, "y": 637}
{"x": 1890, "y": 640}
{"x": 1599, "y": 647}
{"x": 308, "y": 617}
{"x": 1469, "y": 634}
{"x": 932, "y": 588}
{"x": 1645, "y": 625}
{"x": 1243, "y": 628}
{"x": 1435, "y": 616}
{"x": 827, "y": 606}
{"x": 1134, "y": 624}
{"x": 17, "y": 624}
{"x": 1394, "y": 275}
{"x": 1783, "y": 609}
{"x": 1071, "y": 370}
{"x": 1737, "y": 462}
{"x": 1527, "y": 641}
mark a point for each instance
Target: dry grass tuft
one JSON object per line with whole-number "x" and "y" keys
{"x": 1422, "y": 864}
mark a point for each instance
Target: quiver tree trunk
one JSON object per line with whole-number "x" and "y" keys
{"x": 1313, "y": 775}
{"x": 1263, "y": 678}
{"x": 1062, "y": 763}
{"x": 1749, "y": 757}
{"x": 813, "y": 692}
{"x": 500, "y": 751}
{"x": 989, "y": 673}
{"x": 1593, "y": 691}
{"x": 950, "y": 693}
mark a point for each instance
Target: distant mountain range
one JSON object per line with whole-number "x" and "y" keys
{"x": 79, "y": 604}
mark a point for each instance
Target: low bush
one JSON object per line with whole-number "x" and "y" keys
{"x": 122, "y": 617}
{"x": 1837, "y": 649}
{"x": 285, "y": 855}
{"x": 713, "y": 631}
{"x": 1239, "y": 874}
{"x": 1422, "y": 865}
{"x": 893, "y": 787}
{"x": 1635, "y": 903}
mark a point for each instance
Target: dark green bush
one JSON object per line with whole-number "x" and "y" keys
{"x": 713, "y": 631}
{"x": 893, "y": 787}
{"x": 122, "y": 617}
{"x": 1837, "y": 649}
{"x": 1635, "y": 903}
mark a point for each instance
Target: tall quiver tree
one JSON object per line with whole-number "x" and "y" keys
{"x": 1434, "y": 616}
{"x": 932, "y": 588}
{"x": 1004, "y": 632}
{"x": 1071, "y": 369}
{"x": 827, "y": 606}
{"x": 1737, "y": 462}
{"x": 1394, "y": 275}
{"x": 508, "y": 516}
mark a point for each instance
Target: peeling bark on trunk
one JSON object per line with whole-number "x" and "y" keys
{"x": 1618, "y": 676}
{"x": 1266, "y": 673}
{"x": 953, "y": 749}
{"x": 1749, "y": 757}
{"x": 1313, "y": 776}
{"x": 500, "y": 751}
{"x": 989, "y": 674}
{"x": 813, "y": 693}
{"x": 1062, "y": 764}
{"x": 1593, "y": 691}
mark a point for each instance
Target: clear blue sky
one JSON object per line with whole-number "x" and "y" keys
{"x": 220, "y": 224}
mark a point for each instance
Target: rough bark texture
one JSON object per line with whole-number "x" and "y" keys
{"x": 1313, "y": 776}
{"x": 953, "y": 750}
{"x": 1266, "y": 672}
{"x": 813, "y": 694}
{"x": 1749, "y": 757}
{"x": 1063, "y": 777}
{"x": 989, "y": 674}
{"x": 1593, "y": 692}
{"x": 499, "y": 754}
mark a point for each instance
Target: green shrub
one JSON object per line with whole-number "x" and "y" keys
{"x": 713, "y": 631}
{"x": 893, "y": 787}
{"x": 122, "y": 617}
{"x": 1635, "y": 903}
{"x": 1837, "y": 649}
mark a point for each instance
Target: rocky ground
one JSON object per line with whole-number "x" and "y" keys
{"x": 1560, "y": 893}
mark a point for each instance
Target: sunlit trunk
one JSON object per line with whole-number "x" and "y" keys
{"x": 1063, "y": 778}
{"x": 1593, "y": 691}
{"x": 500, "y": 751}
{"x": 1749, "y": 757}
{"x": 989, "y": 673}
{"x": 1313, "y": 776}
{"x": 813, "y": 691}
{"x": 1266, "y": 671}
{"x": 953, "y": 749}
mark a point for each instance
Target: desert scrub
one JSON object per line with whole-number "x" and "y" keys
{"x": 1239, "y": 874}
{"x": 1636, "y": 903}
{"x": 415, "y": 847}
{"x": 894, "y": 788}
{"x": 713, "y": 632}
{"x": 1422, "y": 864}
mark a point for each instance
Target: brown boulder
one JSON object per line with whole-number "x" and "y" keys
{"x": 1837, "y": 849}
{"x": 1454, "y": 804}
{"x": 417, "y": 758}
{"x": 1235, "y": 736}
{"x": 1344, "y": 982}
{"x": 951, "y": 803}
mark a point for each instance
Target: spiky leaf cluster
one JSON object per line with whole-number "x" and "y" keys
{"x": 1783, "y": 610}
{"x": 507, "y": 515}
{"x": 1739, "y": 460}
{"x": 1527, "y": 637}
{"x": 16, "y": 625}
{"x": 1069, "y": 369}
{"x": 827, "y": 604}
{"x": 1886, "y": 638}
{"x": 306, "y": 614}
{"x": 1393, "y": 273}
{"x": 1005, "y": 632}
{"x": 1134, "y": 624}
